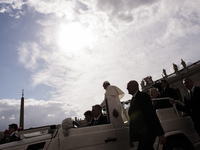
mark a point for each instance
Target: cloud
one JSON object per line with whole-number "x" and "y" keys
{"x": 153, "y": 28}
{"x": 59, "y": 8}
{"x": 63, "y": 69}
{"x": 121, "y": 10}
{"x": 29, "y": 53}
{"x": 13, "y": 7}
{"x": 37, "y": 112}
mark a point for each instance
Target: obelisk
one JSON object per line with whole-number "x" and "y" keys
{"x": 21, "y": 122}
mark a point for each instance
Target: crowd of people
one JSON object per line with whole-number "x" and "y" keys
{"x": 145, "y": 127}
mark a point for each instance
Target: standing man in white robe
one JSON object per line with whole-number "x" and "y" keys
{"x": 113, "y": 94}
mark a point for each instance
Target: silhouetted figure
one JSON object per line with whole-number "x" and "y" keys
{"x": 12, "y": 131}
{"x": 168, "y": 91}
{"x": 98, "y": 117}
{"x": 164, "y": 72}
{"x": 192, "y": 103}
{"x": 6, "y": 137}
{"x": 144, "y": 123}
{"x": 183, "y": 63}
{"x": 88, "y": 116}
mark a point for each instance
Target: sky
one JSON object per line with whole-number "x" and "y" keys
{"x": 61, "y": 51}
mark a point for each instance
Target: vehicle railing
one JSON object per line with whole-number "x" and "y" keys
{"x": 173, "y": 102}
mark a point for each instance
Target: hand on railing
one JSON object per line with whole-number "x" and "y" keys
{"x": 175, "y": 102}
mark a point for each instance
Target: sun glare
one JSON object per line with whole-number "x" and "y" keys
{"x": 73, "y": 37}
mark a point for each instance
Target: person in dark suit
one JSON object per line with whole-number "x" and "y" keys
{"x": 98, "y": 117}
{"x": 88, "y": 117}
{"x": 192, "y": 102}
{"x": 158, "y": 104}
{"x": 144, "y": 123}
{"x": 168, "y": 91}
{"x": 12, "y": 131}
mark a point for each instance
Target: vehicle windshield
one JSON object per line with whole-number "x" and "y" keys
{"x": 33, "y": 134}
{"x": 29, "y": 133}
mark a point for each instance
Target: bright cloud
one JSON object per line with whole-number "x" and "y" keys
{"x": 74, "y": 37}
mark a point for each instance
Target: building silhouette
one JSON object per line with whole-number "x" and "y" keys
{"x": 175, "y": 79}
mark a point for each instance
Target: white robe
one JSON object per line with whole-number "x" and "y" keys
{"x": 113, "y": 94}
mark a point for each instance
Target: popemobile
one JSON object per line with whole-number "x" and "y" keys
{"x": 76, "y": 135}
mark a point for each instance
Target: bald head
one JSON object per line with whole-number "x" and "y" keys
{"x": 132, "y": 87}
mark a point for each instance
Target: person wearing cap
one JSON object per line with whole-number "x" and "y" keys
{"x": 12, "y": 131}
{"x": 113, "y": 94}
